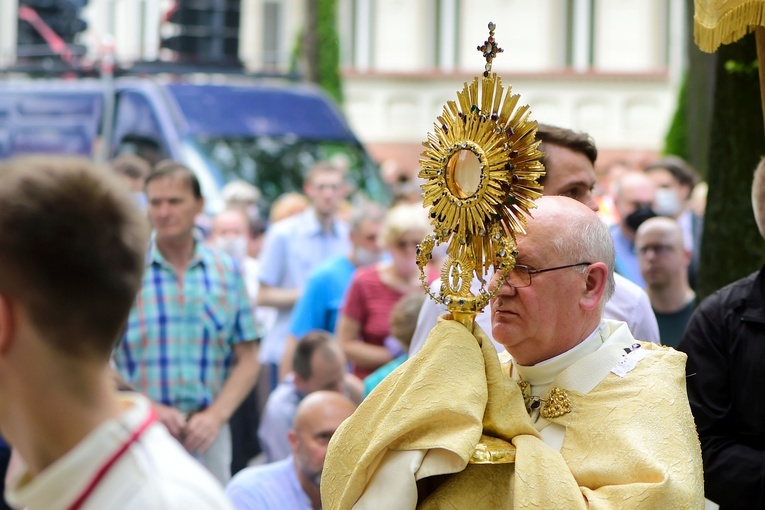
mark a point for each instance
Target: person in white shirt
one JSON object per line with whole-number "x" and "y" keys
{"x": 72, "y": 255}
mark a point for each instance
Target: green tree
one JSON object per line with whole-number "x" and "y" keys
{"x": 732, "y": 246}
{"x": 676, "y": 141}
{"x": 321, "y": 46}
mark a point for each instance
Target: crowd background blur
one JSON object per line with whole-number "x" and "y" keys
{"x": 378, "y": 268}
{"x": 368, "y": 308}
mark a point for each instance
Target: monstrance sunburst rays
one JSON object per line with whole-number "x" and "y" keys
{"x": 481, "y": 167}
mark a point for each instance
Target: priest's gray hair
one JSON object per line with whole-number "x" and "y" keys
{"x": 587, "y": 239}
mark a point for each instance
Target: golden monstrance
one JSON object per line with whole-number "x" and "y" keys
{"x": 481, "y": 167}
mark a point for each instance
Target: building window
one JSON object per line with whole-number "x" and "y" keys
{"x": 579, "y": 34}
{"x": 447, "y": 26}
{"x": 273, "y": 54}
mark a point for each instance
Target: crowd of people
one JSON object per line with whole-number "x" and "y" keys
{"x": 244, "y": 340}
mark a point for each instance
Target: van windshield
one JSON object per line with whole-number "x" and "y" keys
{"x": 276, "y": 164}
{"x": 270, "y": 135}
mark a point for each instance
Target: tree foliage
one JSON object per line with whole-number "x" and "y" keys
{"x": 676, "y": 140}
{"x": 732, "y": 246}
{"x": 321, "y": 46}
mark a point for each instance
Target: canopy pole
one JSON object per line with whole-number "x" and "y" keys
{"x": 760, "y": 36}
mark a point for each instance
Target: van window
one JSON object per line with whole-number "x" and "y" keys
{"x": 270, "y": 136}
{"x": 48, "y": 122}
{"x": 276, "y": 164}
{"x": 137, "y": 129}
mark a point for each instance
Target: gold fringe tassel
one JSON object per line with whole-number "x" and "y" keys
{"x": 730, "y": 27}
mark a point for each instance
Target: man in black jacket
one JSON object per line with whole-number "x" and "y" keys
{"x": 725, "y": 343}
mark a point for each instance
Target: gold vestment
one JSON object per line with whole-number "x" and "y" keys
{"x": 630, "y": 440}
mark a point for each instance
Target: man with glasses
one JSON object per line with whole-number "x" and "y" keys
{"x": 570, "y": 172}
{"x": 664, "y": 262}
{"x": 597, "y": 418}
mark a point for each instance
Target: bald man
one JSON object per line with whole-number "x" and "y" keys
{"x": 598, "y": 419}
{"x": 664, "y": 262}
{"x": 293, "y": 483}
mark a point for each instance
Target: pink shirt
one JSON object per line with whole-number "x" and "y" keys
{"x": 369, "y": 302}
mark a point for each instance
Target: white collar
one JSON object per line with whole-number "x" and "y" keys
{"x": 543, "y": 373}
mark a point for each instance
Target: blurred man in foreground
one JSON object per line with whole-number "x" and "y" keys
{"x": 71, "y": 258}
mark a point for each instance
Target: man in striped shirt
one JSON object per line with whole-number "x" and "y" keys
{"x": 191, "y": 340}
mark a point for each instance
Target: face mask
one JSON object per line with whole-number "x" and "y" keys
{"x": 642, "y": 213}
{"x": 364, "y": 257}
{"x": 666, "y": 202}
{"x": 234, "y": 246}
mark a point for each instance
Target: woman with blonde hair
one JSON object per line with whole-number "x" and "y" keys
{"x": 364, "y": 322}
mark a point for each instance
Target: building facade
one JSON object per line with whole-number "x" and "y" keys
{"x": 608, "y": 67}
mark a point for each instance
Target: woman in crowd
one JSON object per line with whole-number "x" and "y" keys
{"x": 364, "y": 322}
{"x": 403, "y": 322}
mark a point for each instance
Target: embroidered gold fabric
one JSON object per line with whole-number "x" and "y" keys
{"x": 630, "y": 442}
{"x": 555, "y": 404}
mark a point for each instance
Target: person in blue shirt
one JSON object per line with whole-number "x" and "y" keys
{"x": 323, "y": 295}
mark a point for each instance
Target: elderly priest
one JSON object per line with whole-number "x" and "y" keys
{"x": 589, "y": 417}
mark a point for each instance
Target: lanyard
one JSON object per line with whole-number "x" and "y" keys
{"x": 101, "y": 473}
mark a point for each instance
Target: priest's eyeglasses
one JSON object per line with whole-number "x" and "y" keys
{"x": 520, "y": 276}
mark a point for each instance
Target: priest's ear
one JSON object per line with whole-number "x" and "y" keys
{"x": 596, "y": 280}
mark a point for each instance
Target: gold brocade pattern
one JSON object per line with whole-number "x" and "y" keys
{"x": 630, "y": 442}
{"x": 555, "y": 405}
